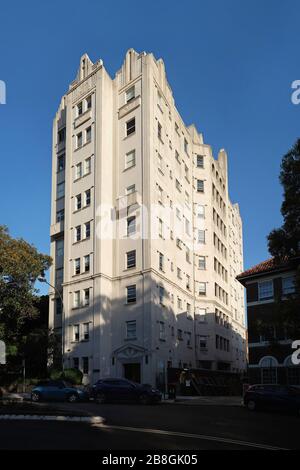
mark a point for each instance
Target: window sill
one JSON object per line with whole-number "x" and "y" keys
{"x": 129, "y": 135}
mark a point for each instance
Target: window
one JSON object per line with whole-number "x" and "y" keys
{"x": 77, "y": 266}
{"x": 178, "y": 185}
{"x": 131, "y": 259}
{"x": 60, "y": 215}
{"x": 179, "y": 335}
{"x": 188, "y": 254}
{"x": 78, "y": 233}
{"x": 130, "y": 189}
{"x": 185, "y": 146}
{"x": 130, "y": 94}
{"x": 87, "y": 197}
{"x": 78, "y": 202}
{"x": 60, "y": 190}
{"x": 188, "y": 282}
{"x": 76, "y": 299}
{"x": 130, "y": 127}
{"x": 76, "y": 332}
{"x": 86, "y": 263}
{"x": 202, "y": 262}
{"x": 87, "y": 230}
{"x": 61, "y": 136}
{"x": 179, "y": 303}
{"x": 200, "y": 211}
{"x": 131, "y": 294}
{"x": 160, "y": 163}
{"x": 58, "y": 306}
{"x": 79, "y": 109}
{"x": 87, "y": 165}
{"x": 78, "y": 171}
{"x": 203, "y": 342}
{"x": 201, "y": 236}
{"x": 160, "y": 228}
{"x": 200, "y": 161}
{"x": 131, "y": 226}
{"x": 159, "y": 131}
{"x": 79, "y": 140}
{"x": 189, "y": 339}
{"x": 76, "y": 362}
{"x": 130, "y": 159}
{"x": 265, "y": 290}
{"x": 88, "y": 134}
{"x": 179, "y": 275}
{"x": 288, "y": 285}
{"x": 88, "y": 102}
{"x": 188, "y": 309}
{"x": 85, "y": 365}
{"x": 86, "y": 297}
{"x": 60, "y": 163}
{"x": 162, "y": 331}
{"x": 202, "y": 288}
{"x": 161, "y": 261}
{"x": 86, "y": 331}
{"x": 161, "y": 295}
{"x": 200, "y": 186}
{"x": 202, "y": 314}
{"x": 131, "y": 329}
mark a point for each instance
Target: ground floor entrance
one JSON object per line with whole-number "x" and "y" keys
{"x": 132, "y": 371}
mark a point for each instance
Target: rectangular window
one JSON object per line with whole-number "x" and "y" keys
{"x": 87, "y": 165}
{"x": 59, "y": 248}
{"x": 202, "y": 314}
{"x": 179, "y": 275}
{"x": 131, "y": 329}
{"x": 77, "y": 266}
{"x": 131, "y": 259}
{"x": 202, "y": 262}
{"x": 131, "y": 294}
{"x": 160, "y": 163}
{"x": 78, "y": 202}
{"x": 200, "y": 211}
{"x": 203, "y": 342}
{"x": 87, "y": 230}
{"x": 131, "y": 226}
{"x": 189, "y": 339}
{"x": 86, "y": 263}
{"x": 61, "y": 135}
{"x": 78, "y": 171}
{"x": 88, "y": 134}
{"x": 130, "y": 127}
{"x": 160, "y": 228}
{"x": 130, "y": 189}
{"x": 161, "y": 295}
{"x": 201, "y": 236}
{"x": 60, "y": 190}
{"x": 200, "y": 161}
{"x": 188, "y": 309}
{"x": 202, "y": 288}
{"x": 76, "y": 302}
{"x": 179, "y": 335}
{"x": 159, "y": 131}
{"x": 162, "y": 331}
{"x": 179, "y": 303}
{"x": 88, "y": 102}
{"x": 85, "y": 365}
{"x": 61, "y": 163}
{"x": 288, "y": 285}
{"x": 76, "y": 332}
{"x": 86, "y": 331}
{"x": 265, "y": 290}
{"x": 79, "y": 109}
{"x": 76, "y": 362}
{"x": 78, "y": 233}
{"x": 188, "y": 282}
{"x": 79, "y": 140}
{"x": 161, "y": 261}
{"x": 87, "y": 197}
{"x": 86, "y": 297}
{"x": 200, "y": 186}
{"x": 130, "y": 159}
{"x": 58, "y": 306}
{"x": 60, "y": 215}
{"x": 130, "y": 94}
{"x": 185, "y": 146}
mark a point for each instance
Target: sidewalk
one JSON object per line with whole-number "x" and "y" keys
{"x": 207, "y": 401}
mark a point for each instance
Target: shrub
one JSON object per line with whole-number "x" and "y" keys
{"x": 74, "y": 376}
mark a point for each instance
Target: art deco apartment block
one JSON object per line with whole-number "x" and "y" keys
{"x": 145, "y": 241}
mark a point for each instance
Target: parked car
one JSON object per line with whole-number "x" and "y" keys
{"x": 113, "y": 389}
{"x": 57, "y": 390}
{"x": 276, "y": 397}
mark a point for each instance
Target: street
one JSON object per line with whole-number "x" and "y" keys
{"x": 164, "y": 426}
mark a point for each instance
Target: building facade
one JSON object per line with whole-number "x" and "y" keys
{"x": 269, "y": 286}
{"x": 145, "y": 241}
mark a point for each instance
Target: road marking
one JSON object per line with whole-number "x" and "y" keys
{"x": 73, "y": 419}
{"x": 193, "y": 436}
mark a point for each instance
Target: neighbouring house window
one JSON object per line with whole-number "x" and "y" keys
{"x": 188, "y": 309}
{"x": 87, "y": 263}
{"x": 131, "y": 226}
{"x": 87, "y": 165}
{"x": 200, "y": 186}
{"x": 86, "y": 297}
{"x": 179, "y": 335}
{"x": 288, "y": 285}
{"x": 85, "y": 365}
{"x": 130, "y": 127}
{"x": 160, "y": 228}
{"x": 76, "y": 299}
{"x": 131, "y": 259}
{"x": 131, "y": 294}
{"x": 60, "y": 163}
{"x": 88, "y": 102}
{"x": 130, "y": 159}
{"x": 78, "y": 171}
{"x": 202, "y": 314}
{"x": 59, "y": 248}
{"x": 77, "y": 266}
{"x": 162, "y": 331}
{"x": 87, "y": 195}
{"x": 189, "y": 339}
{"x": 78, "y": 233}
{"x": 60, "y": 215}
{"x": 61, "y": 135}
{"x": 265, "y": 290}
{"x": 188, "y": 282}
{"x": 161, "y": 295}
{"x": 202, "y": 262}
{"x": 202, "y": 288}
{"x": 87, "y": 229}
{"x": 200, "y": 161}
{"x": 131, "y": 329}
{"x": 78, "y": 202}
{"x": 203, "y": 342}
{"x": 185, "y": 146}
{"x": 88, "y": 134}
{"x": 79, "y": 109}
{"x": 178, "y": 185}
{"x": 200, "y": 211}
{"x": 86, "y": 331}
{"x": 130, "y": 189}
{"x": 179, "y": 275}
{"x": 76, "y": 332}
{"x": 179, "y": 303}
{"x": 161, "y": 261}
{"x": 60, "y": 190}
{"x": 159, "y": 131}
{"x": 79, "y": 140}
{"x": 201, "y": 236}
{"x": 130, "y": 94}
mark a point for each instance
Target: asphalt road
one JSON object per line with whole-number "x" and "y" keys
{"x": 165, "y": 426}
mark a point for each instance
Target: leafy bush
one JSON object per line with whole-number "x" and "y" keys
{"x": 73, "y": 376}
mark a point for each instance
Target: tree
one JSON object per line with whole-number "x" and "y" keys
{"x": 20, "y": 266}
{"x": 285, "y": 241}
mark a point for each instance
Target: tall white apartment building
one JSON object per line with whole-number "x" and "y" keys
{"x": 145, "y": 242}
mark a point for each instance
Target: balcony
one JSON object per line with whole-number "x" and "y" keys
{"x": 56, "y": 229}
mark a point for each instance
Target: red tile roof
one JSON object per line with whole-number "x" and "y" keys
{"x": 268, "y": 265}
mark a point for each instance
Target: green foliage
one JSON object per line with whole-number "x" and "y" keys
{"x": 74, "y": 376}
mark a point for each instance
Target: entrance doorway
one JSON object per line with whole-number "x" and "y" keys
{"x": 132, "y": 372}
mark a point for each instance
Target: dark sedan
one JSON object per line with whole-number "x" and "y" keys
{"x": 275, "y": 397}
{"x": 113, "y": 390}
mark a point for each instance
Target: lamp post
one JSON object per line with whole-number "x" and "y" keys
{"x": 43, "y": 279}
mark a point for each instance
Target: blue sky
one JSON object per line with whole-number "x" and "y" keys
{"x": 230, "y": 64}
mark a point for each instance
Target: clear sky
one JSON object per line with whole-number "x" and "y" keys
{"x": 230, "y": 64}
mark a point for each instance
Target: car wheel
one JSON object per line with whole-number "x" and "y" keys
{"x": 100, "y": 398}
{"x": 35, "y": 397}
{"x": 251, "y": 405}
{"x": 144, "y": 399}
{"x": 72, "y": 398}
